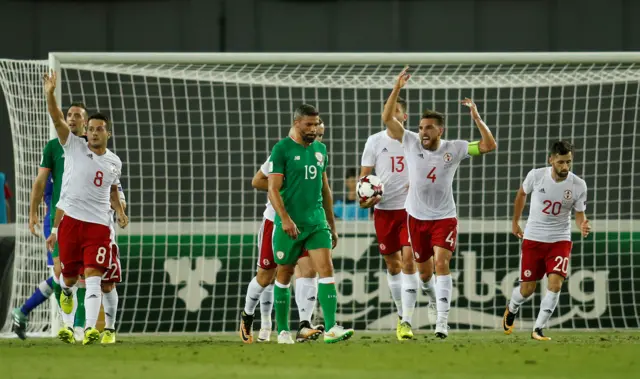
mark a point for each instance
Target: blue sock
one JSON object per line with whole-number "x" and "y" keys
{"x": 39, "y": 296}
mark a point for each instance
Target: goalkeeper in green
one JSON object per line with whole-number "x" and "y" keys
{"x": 300, "y": 194}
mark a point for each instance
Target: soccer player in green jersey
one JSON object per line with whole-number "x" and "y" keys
{"x": 300, "y": 194}
{"x": 52, "y": 163}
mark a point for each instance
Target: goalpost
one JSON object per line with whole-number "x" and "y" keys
{"x": 192, "y": 129}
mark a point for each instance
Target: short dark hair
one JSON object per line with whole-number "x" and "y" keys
{"x": 305, "y": 110}
{"x": 103, "y": 117}
{"x": 402, "y": 102}
{"x": 351, "y": 172}
{"x": 561, "y": 148}
{"x": 434, "y": 115}
{"x": 78, "y": 104}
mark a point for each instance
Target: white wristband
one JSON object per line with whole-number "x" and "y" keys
{"x": 54, "y": 230}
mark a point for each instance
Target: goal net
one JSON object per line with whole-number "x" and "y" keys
{"x": 192, "y": 130}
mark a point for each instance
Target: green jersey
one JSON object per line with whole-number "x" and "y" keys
{"x": 53, "y": 159}
{"x": 302, "y": 168}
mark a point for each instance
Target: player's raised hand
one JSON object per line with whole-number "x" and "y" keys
{"x": 403, "y": 77}
{"x": 34, "y": 224}
{"x": 289, "y": 227}
{"x": 516, "y": 230}
{"x": 123, "y": 220}
{"x": 334, "y": 239}
{"x": 370, "y": 202}
{"x": 472, "y": 106}
{"x": 49, "y": 82}
{"x": 585, "y": 228}
{"x": 51, "y": 241}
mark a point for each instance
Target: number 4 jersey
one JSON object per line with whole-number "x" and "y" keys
{"x": 86, "y": 182}
{"x": 386, "y": 156}
{"x": 551, "y": 203}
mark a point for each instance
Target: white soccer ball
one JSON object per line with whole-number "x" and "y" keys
{"x": 369, "y": 186}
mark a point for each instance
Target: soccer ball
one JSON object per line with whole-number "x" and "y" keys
{"x": 369, "y": 186}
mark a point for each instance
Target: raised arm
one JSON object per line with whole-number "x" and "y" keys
{"x": 487, "y": 143}
{"x": 54, "y": 111}
{"x": 327, "y": 204}
{"x": 395, "y": 127}
{"x": 37, "y": 191}
{"x": 518, "y": 207}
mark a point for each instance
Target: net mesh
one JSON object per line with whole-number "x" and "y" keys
{"x": 191, "y": 137}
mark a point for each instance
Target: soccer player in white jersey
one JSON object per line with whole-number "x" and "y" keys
{"x": 385, "y": 155}
{"x": 89, "y": 190}
{"x": 261, "y": 286}
{"x": 546, "y": 245}
{"x": 432, "y": 163}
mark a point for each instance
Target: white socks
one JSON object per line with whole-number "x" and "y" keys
{"x": 92, "y": 300}
{"x": 395, "y": 286}
{"x": 306, "y": 292}
{"x": 253, "y": 296}
{"x": 547, "y": 306}
{"x": 429, "y": 288}
{"x": 266, "y": 307}
{"x": 409, "y": 295}
{"x": 110, "y": 304}
{"x": 444, "y": 287}
{"x": 516, "y": 300}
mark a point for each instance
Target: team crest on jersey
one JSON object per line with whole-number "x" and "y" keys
{"x": 320, "y": 158}
{"x": 280, "y": 254}
{"x": 568, "y": 195}
{"x": 447, "y": 157}
{"x": 527, "y": 273}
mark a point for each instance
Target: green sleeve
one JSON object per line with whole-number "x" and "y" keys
{"x": 277, "y": 160}
{"x": 47, "y": 157}
{"x": 474, "y": 148}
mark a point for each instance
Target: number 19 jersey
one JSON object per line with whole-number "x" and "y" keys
{"x": 551, "y": 203}
{"x": 302, "y": 168}
{"x": 386, "y": 156}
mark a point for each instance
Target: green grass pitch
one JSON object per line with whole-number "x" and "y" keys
{"x": 582, "y": 355}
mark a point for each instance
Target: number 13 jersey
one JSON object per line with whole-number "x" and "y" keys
{"x": 87, "y": 181}
{"x": 551, "y": 203}
{"x": 431, "y": 176}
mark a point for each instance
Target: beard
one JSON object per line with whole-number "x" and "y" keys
{"x": 308, "y": 138}
{"x": 562, "y": 174}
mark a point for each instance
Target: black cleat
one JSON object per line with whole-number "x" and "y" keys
{"x": 246, "y": 327}
{"x": 19, "y": 323}
{"x": 508, "y": 321}
{"x": 307, "y": 333}
{"x": 538, "y": 336}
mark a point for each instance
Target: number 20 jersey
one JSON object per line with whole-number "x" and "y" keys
{"x": 551, "y": 203}
{"x": 386, "y": 156}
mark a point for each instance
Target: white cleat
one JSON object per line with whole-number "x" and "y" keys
{"x": 432, "y": 313}
{"x": 285, "y": 338}
{"x": 78, "y": 333}
{"x": 442, "y": 330}
{"x": 264, "y": 335}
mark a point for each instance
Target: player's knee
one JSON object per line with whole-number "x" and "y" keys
{"x": 554, "y": 283}
{"x": 426, "y": 276}
{"x": 527, "y": 288}
{"x": 284, "y": 274}
{"x": 305, "y": 269}
{"x": 265, "y": 277}
{"x": 394, "y": 263}
{"x": 442, "y": 265}
{"x": 92, "y": 271}
{"x": 108, "y": 287}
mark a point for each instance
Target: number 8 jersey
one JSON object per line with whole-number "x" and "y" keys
{"x": 86, "y": 182}
{"x": 551, "y": 203}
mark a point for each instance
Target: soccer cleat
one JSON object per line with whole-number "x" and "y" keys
{"x": 19, "y": 326}
{"x": 246, "y": 327}
{"x": 405, "y": 332}
{"x": 78, "y": 332}
{"x": 538, "y": 336}
{"x": 432, "y": 313}
{"x": 398, "y": 327}
{"x": 508, "y": 321}
{"x": 66, "y": 335}
{"x": 337, "y": 334}
{"x": 264, "y": 335}
{"x": 91, "y": 335}
{"x": 285, "y": 338}
{"x": 109, "y": 336}
{"x": 66, "y": 303}
{"x": 319, "y": 327}
{"x": 442, "y": 330}
{"x": 307, "y": 333}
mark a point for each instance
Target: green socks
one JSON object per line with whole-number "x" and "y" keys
{"x": 328, "y": 299}
{"x": 79, "y": 320}
{"x": 282, "y": 300}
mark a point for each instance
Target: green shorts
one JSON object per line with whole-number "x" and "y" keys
{"x": 286, "y": 250}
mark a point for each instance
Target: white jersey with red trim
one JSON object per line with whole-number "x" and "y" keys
{"x": 269, "y": 212}
{"x": 551, "y": 204}
{"x": 431, "y": 176}
{"x": 386, "y": 156}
